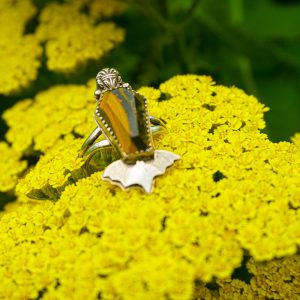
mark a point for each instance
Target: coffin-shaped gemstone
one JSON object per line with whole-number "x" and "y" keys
{"x": 124, "y": 112}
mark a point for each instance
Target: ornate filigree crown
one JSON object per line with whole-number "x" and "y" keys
{"x": 106, "y": 80}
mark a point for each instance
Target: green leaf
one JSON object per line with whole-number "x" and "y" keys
{"x": 268, "y": 19}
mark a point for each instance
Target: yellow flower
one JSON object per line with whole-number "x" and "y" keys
{"x": 61, "y": 111}
{"x": 296, "y": 139}
{"x": 278, "y": 279}
{"x": 14, "y": 16}
{"x": 104, "y": 9}
{"x": 233, "y": 193}
{"x": 72, "y": 38}
{"x": 19, "y": 54}
{"x": 49, "y": 176}
{"x": 10, "y": 167}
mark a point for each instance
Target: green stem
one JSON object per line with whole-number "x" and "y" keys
{"x": 245, "y": 68}
{"x": 191, "y": 10}
{"x": 153, "y": 14}
{"x": 236, "y": 8}
{"x": 164, "y": 8}
{"x": 236, "y": 12}
{"x": 181, "y": 54}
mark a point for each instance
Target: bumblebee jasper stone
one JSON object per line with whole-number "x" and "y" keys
{"x": 124, "y": 113}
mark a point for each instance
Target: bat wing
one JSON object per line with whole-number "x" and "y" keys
{"x": 142, "y": 173}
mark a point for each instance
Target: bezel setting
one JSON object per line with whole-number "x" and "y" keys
{"x": 110, "y": 135}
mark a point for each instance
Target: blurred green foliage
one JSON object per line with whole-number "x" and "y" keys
{"x": 252, "y": 44}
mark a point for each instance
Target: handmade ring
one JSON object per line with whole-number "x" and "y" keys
{"x": 99, "y": 155}
{"x": 157, "y": 126}
{"x": 122, "y": 117}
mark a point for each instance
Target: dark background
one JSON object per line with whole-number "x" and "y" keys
{"x": 252, "y": 44}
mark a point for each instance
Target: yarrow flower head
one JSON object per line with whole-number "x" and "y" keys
{"x": 296, "y": 139}
{"x": 277, "y": 279}
{"x": 71, "y": 33}
{"x": 11, "y": 166}
{"x": 100, "y": 9}
{"x": 234, "y": 192}
{"x": 63, "y": 109}
{"x": 48, "y": 177}
{"x": 19, "y": 52}
{"x": 72, "y": 38}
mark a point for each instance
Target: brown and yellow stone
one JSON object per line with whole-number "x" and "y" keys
{"x": 125, "y": 113}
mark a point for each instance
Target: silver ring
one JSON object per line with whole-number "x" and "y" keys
{"x": 89, "y": 146}
{"x": 127, "y": 151}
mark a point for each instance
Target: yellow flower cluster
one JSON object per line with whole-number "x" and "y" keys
{"x": 72, "y": 38}
{"x": 51, "y": 114}
{"x": 296, "y": 139}
{"x": 19, "y": 53}
{"x": 104, "y": 9}
{"x": 233, "y": 192}
{"x": 10, "y": 167}
{"x": 277, "y": 279}
{"x": 50, "y": 176}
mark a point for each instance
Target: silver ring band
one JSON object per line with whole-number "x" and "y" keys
{"x": 99, "y": 154}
